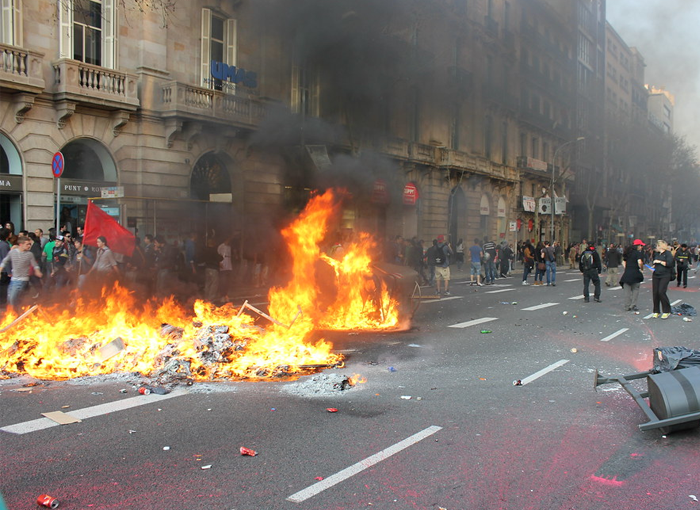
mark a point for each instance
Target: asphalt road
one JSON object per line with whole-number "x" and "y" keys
{"x": 467, "y": 438}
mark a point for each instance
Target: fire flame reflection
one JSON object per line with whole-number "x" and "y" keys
{"x": 216, "y": 342}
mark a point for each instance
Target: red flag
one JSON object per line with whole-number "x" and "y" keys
{"x": 99, "y": 223}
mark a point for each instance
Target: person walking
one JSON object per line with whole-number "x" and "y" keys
{"x": 613, "y": 258}
{"x": 506, "y": 258}
{"x": 591, "y": 266}
{"x": 682, "y": 265}
{"x": 21, "y": 260}
{"x": 550, "y": 261}
{"x": 459, "y": 253}
{"x": 105, "y": 269}
{"x": 633, "y": 275}
{"x": 664, "y": 267}
{"x": 528, "y": 260}
{"x": 540, "y": 266}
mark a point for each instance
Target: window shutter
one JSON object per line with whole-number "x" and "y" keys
{"x": 231, "y": 50}
{"x": 295, "y": 102}
{"x": 65, "y": 17}
{"x": 206, "y": 50}
{"x": 7, "y": 31}
{"x": 109, "y": 34}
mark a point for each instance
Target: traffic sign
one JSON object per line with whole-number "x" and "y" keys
{"x": 57, "y": 164}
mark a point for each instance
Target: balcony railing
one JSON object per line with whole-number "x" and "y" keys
{"x": 20, "y": 70}
{"x": 421, "y": 152}
{"x": 183, "y": 100}
{"x": 85, "y": 83}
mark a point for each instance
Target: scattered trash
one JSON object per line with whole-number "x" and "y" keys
{"x": 684, "y": 309}
{"x": 208, "y": 466}
{"x": 564, "y": 313}
{"x": 414, "y": 345}
{"x": 156, "y": 390}
{"x": 671, "y": 358}
{"x": 419, "y": 398}
{"x": 574, "y": 349}
{"x": 517, "y": 382}
{"x": 485, "y": 331}
{"x": 406, "y": 397}
{"x": 693, "y": 497}
{"x": 318, "y": 478}
{"x": 96, "y": 393}
{"x": 47, "y": 501}
{"x": 111, "y": 349}
{"x": 271, "y": 409}
{"x": 687, "y": 319}
{"x": 505, "y": 303}
{"x": 65, "y": 407}
{"x": 166, "y": 448}
{"x": 331, "y": 410}
{"x": 61, "y": 418}
{"x": 122, "y": 390}
{"x": 392, "y": 369}
{"x": 514, "y": 303}
{"x": 248, "y": 452}
{"x": 636, "y": 313}
{"x": 132, "y": 432}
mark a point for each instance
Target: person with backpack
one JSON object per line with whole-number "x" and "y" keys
{"x": 591, "y": 266}
{"x": 443, "y": 254}
{"x": 550, "y": 260}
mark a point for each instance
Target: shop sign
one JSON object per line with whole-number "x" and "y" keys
{"x": 513, "y": 226}
{"x": 112, "y": 192}
{"x": 380, "y": 195}
{"x": 10, "y": 182}
{"x": 84, "y": 188}
{"x": 410, "y": 194}
{"x": 560, "y": 205}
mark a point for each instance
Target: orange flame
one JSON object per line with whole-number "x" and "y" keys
{"x": 215, "y": 342}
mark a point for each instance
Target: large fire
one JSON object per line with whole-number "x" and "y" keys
{"x": 117, "y": 334}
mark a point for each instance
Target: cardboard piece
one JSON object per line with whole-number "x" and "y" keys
{"x": 61, "y": 417}
{"x": 111, "y": 349}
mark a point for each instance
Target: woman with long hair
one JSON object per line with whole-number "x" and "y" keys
{"x": 664, "y": 266}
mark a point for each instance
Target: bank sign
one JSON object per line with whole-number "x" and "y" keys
{"x": 233, "y": 74}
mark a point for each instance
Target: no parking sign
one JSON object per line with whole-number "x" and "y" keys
{"x": 58, "y": 164}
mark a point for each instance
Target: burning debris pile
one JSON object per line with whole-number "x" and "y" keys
{"x": 168, "y": 345}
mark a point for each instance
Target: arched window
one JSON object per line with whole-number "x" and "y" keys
{"x": 209, "y": 176}
{"x": 89, "y": 160}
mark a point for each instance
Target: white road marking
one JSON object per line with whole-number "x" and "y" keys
{"x": 544, "y": 371}
{"x": 615, "y": 288}
{"x": 91, "y": 412}
{"x": 648, "y": 316}
{"x": 370, "y": 461}
{"x": 474, "y": 322}
{"x": 616, "y": 333}
{"x": 497, "y": 291}
{"x": 574, "y": 280}
{"x": 440, "y": 300}
{"x": 577, "y": 297}
{"x": 539, "y": 307}
{"x": 676, "y": 302}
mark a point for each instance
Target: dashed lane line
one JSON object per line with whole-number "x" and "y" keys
{"x": 474, "y": 322}
{"x": 613, "y": 335}
{"x": 577, "y": 297}
{"x": 497, "y": 291}
{"x": 442, "y": 300}
{"x": 370, "y": 461}
{"x": 90, "y": 412}
{"x": 539, "y": 307}
{"x": 615, "y": 288}
{"x": 544, "y": 371}
{"x": 573, "y": 280}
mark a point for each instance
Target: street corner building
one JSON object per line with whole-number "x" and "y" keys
{"x": 453, "y": 117}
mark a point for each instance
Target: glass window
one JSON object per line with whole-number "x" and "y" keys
{"x": 87, "y": 31}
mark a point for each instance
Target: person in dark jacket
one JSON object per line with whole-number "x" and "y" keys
{"x": 613, "y": 258}
{"x": 664, "y": 267}
{"x": 632, "y": 277}
{"x": 590, "y": 265}
{"x": 682, "y": 265}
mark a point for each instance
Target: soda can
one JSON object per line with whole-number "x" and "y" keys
{"x": 144, "y": 391}
{"x": 47, "y": 501}
{"x": 248, "y": 451}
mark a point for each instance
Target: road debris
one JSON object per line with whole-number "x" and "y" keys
{"x": 248, "y": 452}
{"x": 693, "y": 497}
{"x": 208, "y": 466}
{"x": 517, "y": 382}
{"x": 318, "y": 478}
{"x": 574, "y": 350}
{"x": 61, "y": 418}
{"x": 111, "y": 349}
{"x": 47, "y": 501}
{"x": 331, "y": 410}
{"x": 406, "y": 397}
{"x": 391, "y": 369}
{"x": 486, "y": 331}
{"x": 166, "y": 448}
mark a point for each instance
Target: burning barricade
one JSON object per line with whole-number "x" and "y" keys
{"x": 169, "y": 345}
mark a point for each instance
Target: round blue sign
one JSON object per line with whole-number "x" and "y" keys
{"x": 57, "y": 164}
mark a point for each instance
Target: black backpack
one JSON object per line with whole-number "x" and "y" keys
{"x": 587, "y": 260}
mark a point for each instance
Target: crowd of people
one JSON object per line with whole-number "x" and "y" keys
{"x": 489, "y": 261}
{"x": 35, "y": 265}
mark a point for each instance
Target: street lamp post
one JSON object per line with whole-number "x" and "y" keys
{"x": 551, "y": 188}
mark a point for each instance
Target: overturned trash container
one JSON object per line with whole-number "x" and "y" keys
{"x": 674, "y": 397}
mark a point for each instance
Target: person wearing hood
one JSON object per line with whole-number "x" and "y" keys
{"x": 590, "y": 265}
